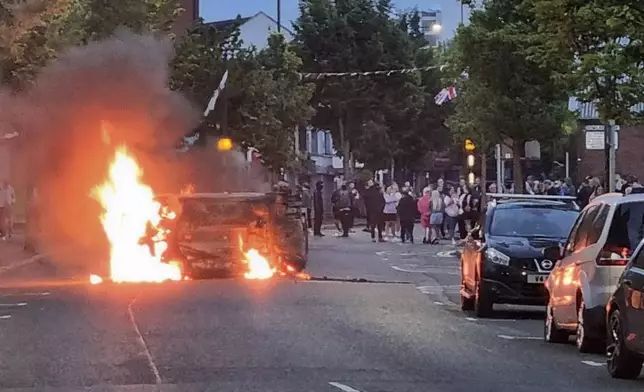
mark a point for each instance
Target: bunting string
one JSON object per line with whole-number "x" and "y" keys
{"x": 388, "y": 72}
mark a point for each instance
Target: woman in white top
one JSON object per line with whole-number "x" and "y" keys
{"x": 451, "y": 214}
{"x": 390, "y": 212}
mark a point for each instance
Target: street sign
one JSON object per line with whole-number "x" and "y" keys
{"x": 595, "y": 138}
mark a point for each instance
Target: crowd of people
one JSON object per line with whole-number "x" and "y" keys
{"x": 446, "y": 211}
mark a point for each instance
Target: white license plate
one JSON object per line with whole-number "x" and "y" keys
{"x": 537, "y": 278}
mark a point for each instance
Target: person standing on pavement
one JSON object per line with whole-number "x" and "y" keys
{"x": 306, "y": 203}
{"x": 389, "y": 211}
{"x": 355, "y": 198}
{"x": 423, "y": 206}
{"x": 343, "y": 204}
{"x": 318, "y": 209}
{"x": 451, "y": 214}
{"x": 370, "y": 192}
{"x": 10, "y": 195}
{"x": 436, "y": 217}
{"x": 375, "y": 204}
{"x": 407, "y": 214}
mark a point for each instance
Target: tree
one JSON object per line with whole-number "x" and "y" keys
{"x": 29, "y": 32}
{"x": 263, "y": 101}
{"x": 507, "y": 95}
{"x": 597, "y": 49}
{"x": 363, "y": 112}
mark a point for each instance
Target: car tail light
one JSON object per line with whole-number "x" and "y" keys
{"x": 613, "y": 255}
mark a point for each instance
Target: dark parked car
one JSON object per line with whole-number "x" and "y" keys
{"x": 503, "y": 260}
{"x": 625, "y": 321}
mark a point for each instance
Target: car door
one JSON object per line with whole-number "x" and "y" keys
{"x": 556, "y": 275}
{"x": 633, "y": 289}
{"x": 573, "y": 262}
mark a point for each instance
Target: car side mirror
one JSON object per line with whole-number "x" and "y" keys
{"x": 552, "y": 253}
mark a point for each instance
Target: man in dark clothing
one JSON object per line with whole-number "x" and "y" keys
{"x": 343, "y": 205}
{"x": 366, "y": 194}
{"x": 407, "y": 211}
{"x": 374, "y": 204}
{"x": 584, "y": 192}
{"x": 318, "y": 209}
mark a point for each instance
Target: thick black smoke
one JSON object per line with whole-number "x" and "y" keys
{"x": 83, "y": 106}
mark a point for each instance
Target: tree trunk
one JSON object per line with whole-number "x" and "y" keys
{"x": 347, "y": 167}
{"x": 517, "y": 170}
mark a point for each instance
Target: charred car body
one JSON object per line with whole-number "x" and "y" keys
{"x": 210, "y": 233}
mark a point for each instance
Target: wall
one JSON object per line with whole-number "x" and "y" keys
{"x": 187, "y": 18}
{"x": 256, "y": 31}
{"x": 628, "y": 156}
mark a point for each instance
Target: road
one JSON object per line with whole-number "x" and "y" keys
{"x": 401, "y": 331}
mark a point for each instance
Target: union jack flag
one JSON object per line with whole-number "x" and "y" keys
{"x": 445, "y": 95}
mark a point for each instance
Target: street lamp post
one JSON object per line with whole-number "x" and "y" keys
{"x": 279, "y": 16}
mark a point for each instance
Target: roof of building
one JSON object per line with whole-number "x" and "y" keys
{"x": 228, "y": 23}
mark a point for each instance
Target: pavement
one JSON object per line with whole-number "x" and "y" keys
{"x": 399, "y": 329}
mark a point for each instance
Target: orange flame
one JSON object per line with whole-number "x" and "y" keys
{"x": 258, "y": 266}
{"x": 130, "y": 211}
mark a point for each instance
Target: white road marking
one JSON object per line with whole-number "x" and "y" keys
{"x": 343, "y": 387}
{"x": 520, "y": 337}
{"x": 448, "y": 253}
{"x": 146, "y": 351}
{"x": 424, "y": 270}
{"x": 5, "y": 317}
{"x": 26, "y": 294}
{"x": 382, "y": 253}
{"x": 492, "y": 320}
{"x": 593, "y": 363}
{"x": 13, "y": 305}
{"x": 439, "y": 303}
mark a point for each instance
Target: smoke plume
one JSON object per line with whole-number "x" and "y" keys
{"x": 82, "y": 106}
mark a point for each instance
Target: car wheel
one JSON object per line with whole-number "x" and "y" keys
{"x": 467, "y": 303}
{"x": 621, "y": 362}
{"x": 586, "y": 344}
{"x": 551, "y": 332}
{"x": 483, "y": 307}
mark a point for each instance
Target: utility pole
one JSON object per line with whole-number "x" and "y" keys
{"x": 499, "y": 168}
{"x": 279, "y": 16}
{"x": 609, "y": 134}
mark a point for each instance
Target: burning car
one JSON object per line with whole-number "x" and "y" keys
{"x": 223, "y": 234}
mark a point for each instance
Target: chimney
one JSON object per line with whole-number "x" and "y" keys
{"x": 188, "y": 18}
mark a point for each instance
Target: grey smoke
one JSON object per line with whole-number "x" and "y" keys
{"x": 119, "y": 85}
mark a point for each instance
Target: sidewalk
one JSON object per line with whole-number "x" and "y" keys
{"x": 12, "y": 253}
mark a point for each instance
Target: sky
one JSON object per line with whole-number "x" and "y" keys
{"x": 212, "y": 10}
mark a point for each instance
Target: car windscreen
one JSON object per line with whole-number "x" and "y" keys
{"x": 528, "y": 221}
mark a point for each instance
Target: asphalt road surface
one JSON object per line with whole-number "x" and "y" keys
{"x": 401, "y": 331}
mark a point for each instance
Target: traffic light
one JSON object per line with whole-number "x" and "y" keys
{"x": 470, "y": 161}
{"x": 469, "y": 145}
{"x": 224, "y": 144}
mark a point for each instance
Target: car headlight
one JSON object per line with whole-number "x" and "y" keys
{"x": 497, "y": 257}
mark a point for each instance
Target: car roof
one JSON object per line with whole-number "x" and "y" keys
{"x": 617, "y": 198}
{"x": 533, "y": 203}
{"x": 508, "y": 200}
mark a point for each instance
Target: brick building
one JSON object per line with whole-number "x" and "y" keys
{"x": 593, "y": 162}
{"x": 187, "y": 18}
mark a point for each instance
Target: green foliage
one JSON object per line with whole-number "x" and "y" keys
{"x": 34, "y": 32}
{"x": 597, "y": 49}
{"x": 382, "y": 118}
{"x": 507, "y": 95}
{"x": 263, "y": 101}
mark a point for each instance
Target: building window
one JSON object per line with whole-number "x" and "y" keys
{"x": 302, "y": 137}
{"x": 328, "y": 143}
{"x": 314, "y": 142}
